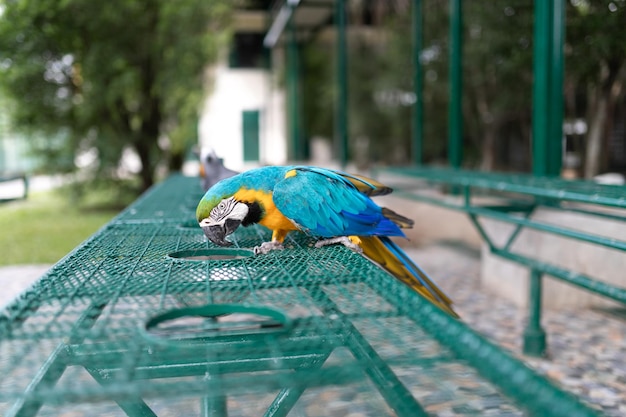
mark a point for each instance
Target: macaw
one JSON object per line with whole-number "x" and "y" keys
{"x": 212, "y": 168}
{"x": 331, "y": 205}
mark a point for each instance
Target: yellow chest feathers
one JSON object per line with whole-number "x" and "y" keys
{"x": 272, "y": 218}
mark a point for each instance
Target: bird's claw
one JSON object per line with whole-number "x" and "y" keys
{"x": 267, "y": 247}
{"x": 344, "y": 240}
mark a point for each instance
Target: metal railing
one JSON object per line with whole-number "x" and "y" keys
{"x": 519, "y": 197}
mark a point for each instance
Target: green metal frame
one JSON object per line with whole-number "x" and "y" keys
{"x": 547, "y": 126}
{"x": 331, "y": 320}
{"x": 455, "y": 110}
{"x": 341, "y": 109}
{"x": 548, "y": 64}
{"x": 520, "y": 196}
{"x": 547, "y": 123}
{"x": 418, "y": 83}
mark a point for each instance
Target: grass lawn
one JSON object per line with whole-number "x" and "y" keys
{"x": 44, "y": 228}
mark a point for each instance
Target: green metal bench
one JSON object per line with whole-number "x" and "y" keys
{"x": 515, "y": 198}
{"x": 148, "y": 317}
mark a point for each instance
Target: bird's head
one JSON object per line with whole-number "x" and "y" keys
{"x": 220, "y": 216}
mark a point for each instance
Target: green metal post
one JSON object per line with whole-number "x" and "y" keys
{"x": 540, "y": 87}
{"x": 297, "y": 152}
{"x": 214, "y": 407}
{"x": 455, "y": 110}
{"x": 418, "y": 83}
{"x": 341, "y": 110}
{"x": 555, "y": 139}
{"x": 26, "y": 186}
{"x": 548, "y": 87}
{"x": 534, "y": 335}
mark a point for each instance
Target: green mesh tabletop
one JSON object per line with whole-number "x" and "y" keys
{"x": 149, "y": 318}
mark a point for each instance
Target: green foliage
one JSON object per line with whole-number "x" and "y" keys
{"x": 110, "y": 75}
{"x": 595, "y": 37}
{"x": 498, "y": 82}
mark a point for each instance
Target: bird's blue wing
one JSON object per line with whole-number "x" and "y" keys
{"x": 325, "y": 203}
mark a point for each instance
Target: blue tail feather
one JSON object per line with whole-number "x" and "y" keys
{"x": 423, "y": 278}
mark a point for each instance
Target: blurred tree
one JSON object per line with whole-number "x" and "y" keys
{"x": 497, "y": 73}
{"x": 498, "y": 81}
{"x": 497, "y": 68}
{"x": 110, "y": 75}
{"x": 497, "y": 58}
{"x": 398, "y": 78}
{"x": 595, "y": 59}
{"x": 380, "y": 83}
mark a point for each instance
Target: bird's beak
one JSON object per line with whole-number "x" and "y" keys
{"x": 217, "y": 233}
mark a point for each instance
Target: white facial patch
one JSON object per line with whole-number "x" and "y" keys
{"x": 228, "y": 208}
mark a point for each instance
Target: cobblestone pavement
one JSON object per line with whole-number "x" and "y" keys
{"x": 15, "y": 279}
{"x": 587, "y": 348}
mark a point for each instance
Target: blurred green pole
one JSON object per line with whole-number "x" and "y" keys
{"x": 211, "y": 407}
{"x": 534, "y": 335}
{"x": 547, "y": 136}
{"x": 455, "y": 110}
{"x": 418, "y": 83}
{"x": 555, "y": 138}
{"x": 341, "y": 110}
{"x": 293, "y": 103}
{"x": 541, "y": 115}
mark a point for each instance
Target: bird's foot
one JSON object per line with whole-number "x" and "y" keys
{"x": 350, "y": 242}
{"x": 267, "y": 247}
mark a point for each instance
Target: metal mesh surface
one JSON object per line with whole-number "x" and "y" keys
{"x": 122, "y": 322}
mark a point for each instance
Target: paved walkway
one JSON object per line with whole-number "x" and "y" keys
{"x": 587, "y": 348}
{"x": 15, "y": 279}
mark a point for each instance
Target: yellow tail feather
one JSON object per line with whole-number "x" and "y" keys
{"x": 375, "y": 250}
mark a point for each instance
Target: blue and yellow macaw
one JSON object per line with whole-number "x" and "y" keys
{"x": 332, "y": 205}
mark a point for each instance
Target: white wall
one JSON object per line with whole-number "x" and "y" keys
{"x": 234, "y": 91}
{"x": 510, "y": 280}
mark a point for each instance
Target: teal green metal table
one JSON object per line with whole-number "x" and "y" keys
{"x": 147, "y": 313}
{"x": 513, "y": 199}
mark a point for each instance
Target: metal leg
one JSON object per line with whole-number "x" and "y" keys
{"x": 132, "y": 408}
{"x": 54, "y": 367}
{"x": 288, "y": 397}
{"x": 214, "y": 407}
{"x": 534, "y": 335}
{"x": 397, "y": 396}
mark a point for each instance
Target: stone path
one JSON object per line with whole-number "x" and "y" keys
{"x": 587, "y": 348}
{"x": 15, "y": 279}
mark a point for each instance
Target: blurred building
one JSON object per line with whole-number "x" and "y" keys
{"x": 252, "y": 114}
{"x": 244, "y": 118}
